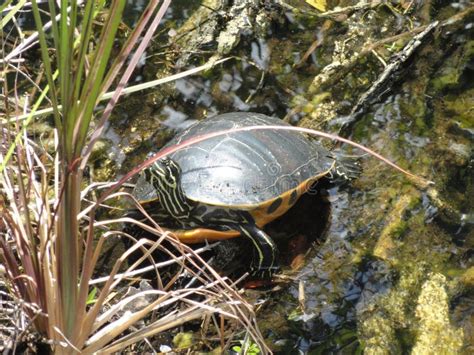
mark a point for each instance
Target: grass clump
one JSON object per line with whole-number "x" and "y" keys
{"x": 50, "y": 239}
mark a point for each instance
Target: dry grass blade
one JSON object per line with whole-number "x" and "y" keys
{"x": 219, "y": 297}
{"x": 154, "y": 266}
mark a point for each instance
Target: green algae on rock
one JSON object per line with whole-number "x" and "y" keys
{"x": 435, "y": 334}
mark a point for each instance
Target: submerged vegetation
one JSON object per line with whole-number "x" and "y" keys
{"x": 392, "y": 270}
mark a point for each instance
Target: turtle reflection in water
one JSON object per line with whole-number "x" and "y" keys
{"x": 233, "y": 185}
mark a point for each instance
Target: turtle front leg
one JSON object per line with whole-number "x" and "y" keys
{"x": 265, "y": 262}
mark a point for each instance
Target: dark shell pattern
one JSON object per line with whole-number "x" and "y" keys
{"x": 246, "y": 168}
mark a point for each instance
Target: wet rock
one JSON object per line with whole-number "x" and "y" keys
{"x": 435, "y": 334}
{"x": 242, "y": 17}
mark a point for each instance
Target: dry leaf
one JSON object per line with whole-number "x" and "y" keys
{"x": 319, "y": 5}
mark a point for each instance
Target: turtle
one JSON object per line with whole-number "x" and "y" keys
{"x": 234, "y": 184}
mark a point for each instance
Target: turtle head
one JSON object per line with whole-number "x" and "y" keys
{"x": 167, "y": 173}
{"x": 164, "y": 176}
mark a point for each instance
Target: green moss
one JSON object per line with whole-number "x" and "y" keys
{"x": 105, "y": 170}
{"x": 317, "y": 99}
{"x": 450, "y": 74}
{"x": 399, "y": 229}
{"x": 412, "y": 247}
{"x": 467, "y": 277}
{"x": 382, "y": 320}
{"x": 360, "y": 130}
{"x": 101, "y": 148}
{"x": 183, "y": 340}
{"x": 449, "y": 78}
{"x": 460, "y": 108}
{"x": 414, "y": 108}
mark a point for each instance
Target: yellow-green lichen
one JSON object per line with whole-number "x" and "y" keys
{"x": 383, "y": 321}
{"x": 378, "y": 334}
{"x": 435, "y": 334}
{"x": 400, "y": 301}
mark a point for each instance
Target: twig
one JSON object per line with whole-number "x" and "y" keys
{"x": 391, "y": 72}
{"x": 152, "y": 267}
{"x": 392, "y": 69}
{"x": 333, "y": 72}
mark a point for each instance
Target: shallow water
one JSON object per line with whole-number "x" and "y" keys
{"x": 392, "y": 253}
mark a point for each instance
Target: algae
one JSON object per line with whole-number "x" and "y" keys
{"x": 435, "y": 334}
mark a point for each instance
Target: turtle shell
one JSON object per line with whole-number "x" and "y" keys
{"x": 246, "y": 169}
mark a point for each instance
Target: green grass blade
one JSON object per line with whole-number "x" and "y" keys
{"x": 64, "y": 57}
{"x": 11, "y": 13}
{"x": 130, "y": 43}
{"x": 54, "y": 25}
{"x": 47, "y": 64}
{"x": 86, "y": 33}
{"x": 4, "y": 6}
{"x": 94, "y": 84}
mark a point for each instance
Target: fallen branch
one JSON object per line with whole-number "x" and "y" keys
{"x": 391, "y": 72}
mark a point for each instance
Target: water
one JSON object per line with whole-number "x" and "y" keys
{"x": 390, "y": 250}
